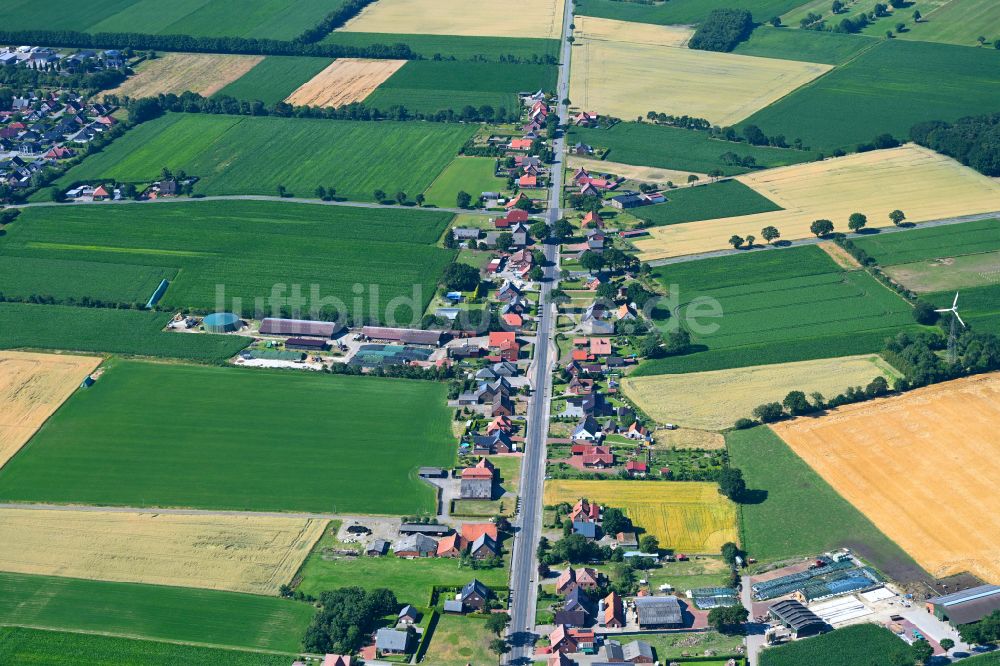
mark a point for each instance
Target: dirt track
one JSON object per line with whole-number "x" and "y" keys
{"x": 924, "y": 467}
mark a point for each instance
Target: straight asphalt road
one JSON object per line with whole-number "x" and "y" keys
{"x": 524, "y": 565}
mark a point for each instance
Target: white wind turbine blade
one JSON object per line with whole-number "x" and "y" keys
{"x": 955, "y": 302}
{"x": 955, "y": 312}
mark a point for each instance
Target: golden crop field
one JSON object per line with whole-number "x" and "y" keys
{"x": 713, "y": 400}
{"x": 610, "y": 30}
{"x": 514, "y": 18}
{"x": 32, "y": 387}
{"x": 203, "y": 73}
{"x": 344, "y": 81}
{"x": 240, "y": 553}
{"x": 632, "y": 172}
{"x": 627, "y": 79}
{"x": 687, "y": 516}
{"x": 923, "y": 466}
{"x": 923, "y": 184}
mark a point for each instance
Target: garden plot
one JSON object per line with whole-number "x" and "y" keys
{"x": 238, "y": 553}
{"x": 516, "y": 18}
{"x": 346, "y": 80}
{"x": 202, "y": 73}
{"x": 923, "y": 184}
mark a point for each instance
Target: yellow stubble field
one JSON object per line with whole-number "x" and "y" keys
{"x": 469, "y": 18}
{"x": 627, "y": 79}
{"x": 924, "y": 467}
{"x": 344, "y": 81}
{"x": 688, "y": 516}
{"x": 238, "y": 553}
{"x": 923, "y": 184}
{"x": 610, "y": 30}
{"x": 203, "y": 73}
{"x": 632, "y": 172}
{"x": 32, "y": 387}
{"x": 713, "y": 400}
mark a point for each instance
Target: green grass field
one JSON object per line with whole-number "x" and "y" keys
{"x": 830, "y": 48}
{"x": 933, "y": 242}
{"x": 674, "y": 646}
{"x": 154, "y": 611}
{"x": 706, "y": 202}
{"x": 867, "y": 644}
{"x": 274, "y": 78}
{"x": 254, "y": 440}
{"x": 23, "y": 277}
{"x": 462, "y": 48}
{"x": 958, "y": 22}
{"x": 271, "y": 19}
{"x": 429, "y": 86}
{"x": 889, "y": 88}
{"x": 459, "y": 640}
{"x": 796, "y": 300}
{"x": 31, "y": 647}
{"x": 799, "y": 514}
{"x": 253, "y": 155}
{"x": 130, "y": 332}
{"x": 644, "y": 144}
{"x": 246, "y": 247}
{"x": 679, "y": 11}
{"x": 470, "y": 174}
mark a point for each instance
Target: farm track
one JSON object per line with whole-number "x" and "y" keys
{"x": 91, "y": 508}
{"x": 815, "y": 241}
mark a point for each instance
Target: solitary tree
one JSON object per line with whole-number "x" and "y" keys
{"x": 837, "y": 6}
{"x": 750, "y": 241}
{"x": 947, "y": 644}
{"x": 648, "y": 543}
{"x": 980, "y": 40}
{"x": 900, "y": 27}
{"x": 730, "y": 551}
{"x": 856, "y": 222}
{"x": 775, "y": 21}
{"x": 540, "y": 230}
{"x": 282, "y": 191}
{"x": 499, "y": 646}
{"x": 922, "y": 651}
{"x": 419, "y": 199}
{"x": 897, "y": 217}
{"x": 916, "y": 16}
{"x": 770, "y": 233}
{"x": 401, "y": 197}
{"x": 736, "y": 241}
{"x": 379, "y": 195}
{"x": 821, "y": 227}
{"x": 496, "y": 622}
{"x": 728, "y": 619}
{"x": 562, "y": 229}
{"x": 321, "y": 192}
{"x": 692, "y": 178}
{"x": 463, "y": 199}
{"x": 731, "y": 483}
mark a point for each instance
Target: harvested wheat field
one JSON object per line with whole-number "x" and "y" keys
{"x": 202, "y": 73}
{"x": 641, "y": 173}
{"x": 32, "y": 387}
{"x": 924, "y": 467}
{"x": 687, "y": 516}
{"x": 610, "y": 30}
{"x": 627, "y": 80}
{"x": 344, "y": 81}
{"x": 469, "y": 18}
{"x": 239, "y": 553}
{"x": 713, "y": 400}
{"x": 922, "y": 183}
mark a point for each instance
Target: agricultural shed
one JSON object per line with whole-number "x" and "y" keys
{"x": 798, "y": 618}
{"x": 299, "y": 327}
{"x": 967, "y": 606}
{"x": 658, "y": 611}
{"x": 410, "y": 336}
{"x": 422, "y": 528}
{"x": 638, "y": 652}
{"x": 309, "y": 344}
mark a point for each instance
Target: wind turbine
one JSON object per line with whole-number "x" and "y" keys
{"x": 951, "y": 337}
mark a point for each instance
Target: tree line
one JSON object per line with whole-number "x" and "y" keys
{"x": 722, "y": 30}
{"x": 974, "y": 141}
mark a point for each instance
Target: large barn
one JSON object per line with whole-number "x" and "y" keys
{"x": 967, "y": 606}
{"x": 301, "y": 328}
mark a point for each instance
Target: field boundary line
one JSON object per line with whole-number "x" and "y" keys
{"x": 177, "y": 511}
{"x": 112, "y": 634}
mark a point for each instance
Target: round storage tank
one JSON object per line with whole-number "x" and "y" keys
{"x": 221, "y": 322}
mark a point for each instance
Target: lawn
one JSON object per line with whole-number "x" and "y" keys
{"x": 55, "y": 648}
{"x": 270, "y": 19}
{"x": 244, "y": 445}
{"x": 867, "y": 644}
{"x": 459, "y": 640}
{"x": 411, "y": 580}
{"x": 673, "y": 646}
{"x": 254, "y": 155}
{"x": 644, "y": 144}
{"x": 767, "y": 307}
{"x": 679, "y": 11}
{"x": 707, "y": 202}
{"x": 274, "y": 78}
{"x": 832, "y": 48}
{"x": 888, "y": 88}
{"x": 796, "y": 513}
{"x": 429, "y": 86}
{"x": 469, "y": 174}
{"x": 154, "y": 611}
{"x": 130, "y": 332}
{"x": 245, "y": 248}
{"x": 461, "y": 47}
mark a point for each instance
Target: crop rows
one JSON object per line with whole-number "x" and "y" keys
{"x": 934, "y": 242}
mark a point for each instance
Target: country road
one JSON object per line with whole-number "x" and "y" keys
{"x": 524, "y": 563}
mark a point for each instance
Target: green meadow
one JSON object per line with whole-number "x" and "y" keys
{"x": 957, "y": 23}
{"x": 644, "y": 144}
{"x": 42, "y": 647}
{"x": 888, "y": 88}
{"x": 274, "y": 78}
{"x": 254, "y": 155}
{"x": 244, "y": 247}
{"x": 154, "y": 611}
{"x": 830, "y": 48}
{"x": 253, "y": 440}
{"x": 706, "y": 202}
{"x": 918, "y": 244}
{"x": 469, "y": 174}
{"x": 679, "y": 11}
